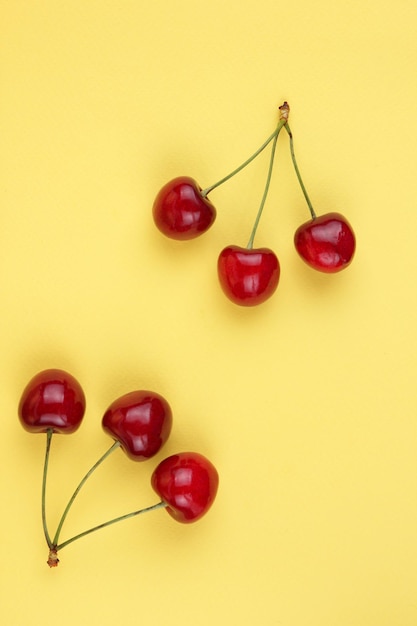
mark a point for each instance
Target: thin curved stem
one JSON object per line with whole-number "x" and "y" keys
{"x": 297, "y": 171}
{"x": 206, "y": 191}
{"x": 267, "y": 184}
{"x": 114, "y": 446}
{"x": 49, "y": 434}
{"x": 158, "y": 505}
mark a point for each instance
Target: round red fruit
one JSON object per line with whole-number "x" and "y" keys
{"x": 248, "y": 276}
{"x": 141, "y": 421}
{"x": 187, "y": 482}
{"x": 53, "y": 399}
{"x": 180, "y": 211}
{"x": 326, "y": 243}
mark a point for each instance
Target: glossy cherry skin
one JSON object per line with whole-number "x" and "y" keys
{"x": 141, "y": 421}
{"x": 53, "y": 399}
{"x": 187, "y": 482}
{"x": 326, "y": 243}
{"x": 180, "y": 211}
{"x": 248, "y": 276}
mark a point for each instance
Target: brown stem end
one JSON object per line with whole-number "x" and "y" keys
{"x": 284, "y": 110}
{"x": 53, "y": 558}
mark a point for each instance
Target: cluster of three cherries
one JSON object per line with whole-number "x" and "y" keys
{"x": 249, "y": 276}
{"x": 140, "y": 423}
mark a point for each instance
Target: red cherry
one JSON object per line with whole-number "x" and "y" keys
{"x": 248, "y": 276}
{"x": 141, "y": 421}
{"x": 188, "y": 483}
{"x": 53, "y": 399}
{"x": 180, "y": 211}
{"x": 326, "y": 243}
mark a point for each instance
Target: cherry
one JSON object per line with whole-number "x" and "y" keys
{"x": 181, "y": 211}
{"x": 141, "y": 421}
{"x": 54, "y": 401}
{"x": 187, "y": 482}
{"x": 326, "y": 243}
{"x": 248, "y": 276}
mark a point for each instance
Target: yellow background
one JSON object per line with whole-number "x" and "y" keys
{"x": 307, "y": 403}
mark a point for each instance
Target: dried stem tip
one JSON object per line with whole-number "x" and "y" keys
{"x": 284, "y": 111}
{"x": 53, "y": 558}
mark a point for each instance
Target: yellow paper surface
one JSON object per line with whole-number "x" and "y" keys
{"x": 305, "y": 404}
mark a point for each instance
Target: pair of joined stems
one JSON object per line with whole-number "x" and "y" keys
{"x": 283, "y": 122}
{"x": 54, "y": 544}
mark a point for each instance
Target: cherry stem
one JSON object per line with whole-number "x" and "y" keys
{"x": 114, "y": 447}
{"x": 206, "y": 191}
{"x": 49, "y": 434}
{"x": 158, "y": 505}
{"x": 297, "y": 171}
{"x": 267, "y": 184}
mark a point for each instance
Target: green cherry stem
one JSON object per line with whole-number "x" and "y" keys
{"x": 297, "y": 171}
{"x": 206, "y": 191}
{"x": 113, "y": 447}
{"x": 154, "y": 507}
{"x": 49, "y": 434}
{"x": 268, "y": 182}
{"x": 283, "y": 120}
{"x": 284, "y": 109}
